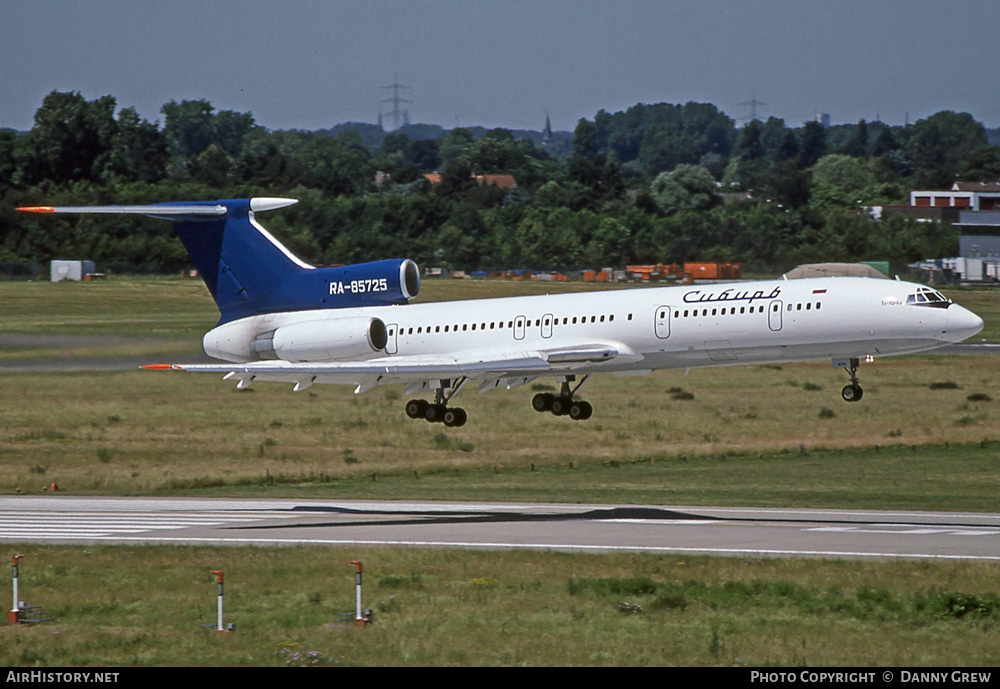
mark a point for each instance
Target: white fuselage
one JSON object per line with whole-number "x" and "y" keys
{"x": 768, "y": 321}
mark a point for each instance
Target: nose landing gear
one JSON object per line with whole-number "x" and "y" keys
{"x": 853, "y": 391}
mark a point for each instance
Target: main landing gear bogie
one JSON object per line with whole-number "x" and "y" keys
{"x": 452, "y": 417}
{"x": 563, "y": 404}
{"x": 578, "y": 410}
{"x": 438, "y": 411}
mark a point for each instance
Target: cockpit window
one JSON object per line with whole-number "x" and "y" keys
{"x": 925, "y": 296}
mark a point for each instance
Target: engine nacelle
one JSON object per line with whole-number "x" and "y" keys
{"x": 322, "y": 340}
{"x": 392, "y": 281}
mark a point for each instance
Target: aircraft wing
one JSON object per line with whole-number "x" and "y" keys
{"x": 484, "y": 365}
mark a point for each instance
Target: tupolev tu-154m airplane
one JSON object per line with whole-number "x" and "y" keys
{"x": 284, "y": 320}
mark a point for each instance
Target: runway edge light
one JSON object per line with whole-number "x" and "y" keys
{"x": 361, "y": 618}
{"x": 19, "y": 612}
{"x": 219, "y": 628}
{"x": 14, "y": 614}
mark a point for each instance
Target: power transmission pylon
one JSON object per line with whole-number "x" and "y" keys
{"x": 399, "y": 115}
{"x": 753, "y": 103}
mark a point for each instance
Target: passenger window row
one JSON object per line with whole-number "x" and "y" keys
{"x": 499, "y": 325}
{"x": 724, "y": 311}
{"x": 809, "y": 306}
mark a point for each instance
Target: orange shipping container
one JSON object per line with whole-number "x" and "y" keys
{"x": 703, "y": 271}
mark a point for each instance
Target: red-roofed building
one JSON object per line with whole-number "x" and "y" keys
{"x": 501, "y": 181}
{"x": 973, "y": 196}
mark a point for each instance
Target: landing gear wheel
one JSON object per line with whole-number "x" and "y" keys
{"x": 415, "y": 409}
{"x": 542, "y": 401}
{"x": 852, "y": 393}
{"x": 580, "y": 411}
{"x": 560, "y": 406}
{"x": 454, "y": 417}
{"x": 435, "y": 413}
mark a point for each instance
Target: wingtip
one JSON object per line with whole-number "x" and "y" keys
{"x": 158, "y": 367}
{"x": 37, "y": 209}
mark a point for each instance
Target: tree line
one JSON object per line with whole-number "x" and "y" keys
{"x": 655, "y": 183}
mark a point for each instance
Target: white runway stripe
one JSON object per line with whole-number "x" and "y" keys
{"x": 79, "y": 524}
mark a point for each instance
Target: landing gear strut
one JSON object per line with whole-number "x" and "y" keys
{"x": 439, "y": 411}
{"x": 853, "y": 391}
{"x": 563, "y": 404}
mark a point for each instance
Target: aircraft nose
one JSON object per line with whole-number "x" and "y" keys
{"x": 962, "y": 323}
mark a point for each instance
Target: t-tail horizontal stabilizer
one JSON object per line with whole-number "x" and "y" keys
{"x": 249, "y": 272}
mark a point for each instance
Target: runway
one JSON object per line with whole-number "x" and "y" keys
{"x": 745, "y": 532}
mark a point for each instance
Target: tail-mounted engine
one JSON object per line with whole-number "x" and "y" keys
{"x": 323, "y": 340}
{"x": 392, "y": 281}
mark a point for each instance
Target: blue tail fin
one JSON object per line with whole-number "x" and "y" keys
{"x": 241, "y": 263}
{"x": 249, "y": 272}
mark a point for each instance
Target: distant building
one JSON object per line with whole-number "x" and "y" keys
{"x": 973, "y": 208}
{"x": 501, "y": 181}
{"x": 980, "y": 235}
{"x": 505, "y": 182}
{"x": 959, "y": 205}
{"x": 921, "y": 214}
{"x": 973, "y": 196}
{"x": 71, "y": 270}
{"x": 823, "y": 119}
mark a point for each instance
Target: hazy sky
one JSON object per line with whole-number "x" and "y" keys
{"x": 312, "y": 64}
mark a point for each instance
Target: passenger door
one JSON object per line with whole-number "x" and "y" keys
{"x": 774, "y": 315}
{"x": 547, "y": 325}
{"x": 392, "y": 331}
{"x": 662, "y": 322}
{"x": 519, "y": 328}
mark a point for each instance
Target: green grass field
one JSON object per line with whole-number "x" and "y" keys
{"x": 142, "y": 606}
{"x": 925, "y": 437}
{"x": 748, "y": 436}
